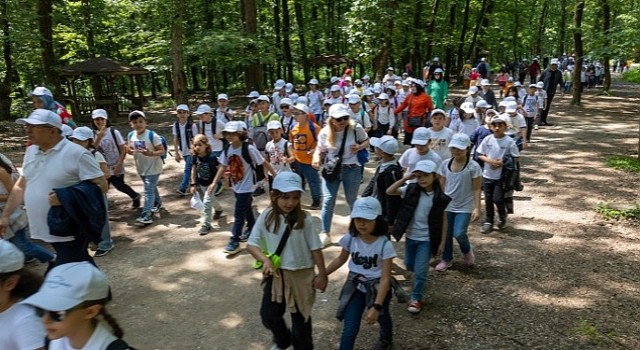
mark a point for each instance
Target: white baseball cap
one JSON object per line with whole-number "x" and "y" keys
{"x": 232, "y": 126}
{"x": 287, "y": 181}
{"x": 99, "y": 113}
{"x": 263, "y": 98}
{"x": 137, "y": 113}
{"x": 202, "y": 109}
{"x": 41, "y": 117}
{"x": 485, "y": 82}
{"x": 288, "y": 87}
{"x": 303, "y": 100}
{"x": 182, "y": 107}
{"x": 555, "y": 61}
{"x": 388, "y": 144}
{"x": 460, "y": 141}
{"x": 355, "y": 91}
{"x": 253, "y": 94}
{"x": 294, "y": 97}
{"x": 467, "y": 107}
{"x": 313, "y": 81}
{"x": 533, "y": 86}
{"x": 366, "y": 77}
{"x": 406, "y": 82}
{"x": 223, "y": 97}
{"x": 82, "y": 133}
{"x": 421, "y": 136}
{"x": 439, "y": 111}
{"x": 334, "y": 79}
{"x": 327, "y": 101}
{"x": 347, "y": 78}
{"x": 366, "y": 208}
{"x": 279, "y": 84}
{"x": 438, "y": 70}
{"x": 377, "y": 90}
{"x": 511, "y": 107}
{"x": 482, "y": 104}
{"x": 286, "y": 101}
{"x": 503, "y": 118}
{"x": 335, "y": 88}
{"x": 66, "y": 130}
{"x": 242, "y": 125}
{"x": 353, "y": 99}
{"x": 397, "y": 82}
{"x": 11, "y": 258}
{"x": 274, "y": 125}
{"x": 473, "y": 90}
{"x": 368, "y": 92}
{"x": 68, "y": 285}
{"x": 540, "y": 85}
{"x": 390, "y": 68}
{"x": 426, "y": 166}
{"x": 338, "y": 110}
{"x": 41, "y": 91}
{"x": 509, "y": 99}
{"x": 517, "y": 83}
{"x": 302, "y": 107}
{"x": 418, "y": 82}
{"x": 383, "y": 96}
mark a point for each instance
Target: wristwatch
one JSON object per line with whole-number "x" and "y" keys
{"x": 378, "y": 307}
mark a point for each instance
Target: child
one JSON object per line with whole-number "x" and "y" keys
{"x": 387, "y": 172}
{"x": 287, "y": 119}
{"x": 531, "y": 107}
{"x": 518, "y": 128}
{"x": 492, "y": 151}
{"x": 367, "y": 288}
{"x": 502, "y": 78}
{"x": 223, "y": 112}
{"x": 204, "y": 168}
{"x": 467, "y": 122}
{"x": 421, "y": 138}
{"x": 542, "y": 102}
{"x": 183, "y": 132}
{"x": 385, "y": 117}
{"x": 279, "y": 152}
{"x": 304, "y": 138}
{"x": 285, "y": 243}
{"x": 440, "y": 135}
{"x": 71, "y": 298}
{"x": 508, "y": 85}
{"x": 481, "y": 132}
{"x": 21, "y": 328}
{"x": 146, "y": 148}
{"x": 315, "y": 98}
{"x": 240, "y": 159}
{"x": 461, "y": 179}
{"x": 422, "y": 218}
{"x": 473, "y": 77}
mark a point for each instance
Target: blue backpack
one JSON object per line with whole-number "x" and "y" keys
{"x": 162, "y": 139}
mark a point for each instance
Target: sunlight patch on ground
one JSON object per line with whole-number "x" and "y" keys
{"x": 540, "y": 299}
{"x": 231, "y": 320}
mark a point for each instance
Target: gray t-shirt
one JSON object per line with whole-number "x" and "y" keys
{"x": 418, "y": 229}
{"x": 459, "y": 185}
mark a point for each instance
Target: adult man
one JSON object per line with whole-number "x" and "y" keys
{"x": 429, "y": 74}
{"x": 52, "y": 162}
{"x": 484, "y": 69}
{"x": 552, "y": 77}
{"x": 523, "y": 69}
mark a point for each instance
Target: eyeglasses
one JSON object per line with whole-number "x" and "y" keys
{"x": 56, "y": 316}
{"x": 341, "y": 119}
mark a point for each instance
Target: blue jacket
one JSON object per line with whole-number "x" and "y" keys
{"x": 82, "y": 214}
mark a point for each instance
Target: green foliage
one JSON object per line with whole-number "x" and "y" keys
{"x": 610, "y": 212}
{"x": 625, "y": 163}
{"x": 632, "y": 76}
{"x": 592, "y": 332}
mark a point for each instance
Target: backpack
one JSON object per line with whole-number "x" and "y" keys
{"x": 260, "y": 135}
{"x": 113, "y": 136}
{"x": 258, "y": 170}
{"x": 188, "y": 130}
{"x": 165, "y": 145}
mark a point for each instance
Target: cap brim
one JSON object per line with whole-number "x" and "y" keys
{"x": 291, "y": 189}
{"x": 99, "y": 116}
{"x": 51, "y": 302}
{"x": 363, "y": 216}
{"x": 458, "y": 145}
{"x": 25, "y": 121}
{"x": 339, "y": 115}
{"x": 419, "y": 142}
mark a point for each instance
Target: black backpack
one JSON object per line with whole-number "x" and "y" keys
{"x": 258, "y": 170}
{"x": 188, "y": 130}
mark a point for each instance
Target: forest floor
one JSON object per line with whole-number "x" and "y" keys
{"x": 559, "y": 277}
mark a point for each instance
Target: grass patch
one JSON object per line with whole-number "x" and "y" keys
{"x": 610, "y": 211}
{"x": 632, "y": 76}
{"x": 625, "y": 163}
{"x": 592, "y": 333}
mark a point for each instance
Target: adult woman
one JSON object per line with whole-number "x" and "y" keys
{"x": 339, "y": 134}
{"x": 420, "y": 104}
{"x": 438, "y": 89}
{"x": 43, "y": 98}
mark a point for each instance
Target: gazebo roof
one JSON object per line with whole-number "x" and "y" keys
{"x": 102, "y": 66}
{"x": 331, "y": 60}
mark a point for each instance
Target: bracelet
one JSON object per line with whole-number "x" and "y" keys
{"x": 193, "y": 184}
{"x": 378, "y": 307}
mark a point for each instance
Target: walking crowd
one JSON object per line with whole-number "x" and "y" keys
{"x": 458, "y": 151}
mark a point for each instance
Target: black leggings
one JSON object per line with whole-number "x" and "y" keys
{"x": 118, "y": 182}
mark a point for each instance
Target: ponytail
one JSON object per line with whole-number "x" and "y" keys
{"x": 115, "y": 327}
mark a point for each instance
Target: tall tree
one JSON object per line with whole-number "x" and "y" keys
{"x": 179, "y": 90}
{"x": 88, "y": 27}
{"x": 5, "y": 84}
{"x": 430, "y": 29}
{"x": 278, "y": 46}
{"x": 286, "y": 41}
{"x": 563, "y": 27}
{"x": 48, "y": 57}
{"x": 606, "y": 30}
{"x": 577, "y": 42}
{"x": 476, "y": 31}
{"x": 539, "y": 37}
{"x": 449, "y": 53}
{"x": 417, "y": 59}
{"x": 463, "y": 33}
{"x": 252, "y": 69}
{"x": 302, "y": 38}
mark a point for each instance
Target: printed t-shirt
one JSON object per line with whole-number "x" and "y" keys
{"x": 241, "y": 173}
{"x": 366, "y": 258}
{"x": 109, "y": 148}
{"x": 100, "y": 340}
{"x": 440, "y": 142}
{"x": 495, "y": 148}
{"x": 275, "y": 152}
{"x": 146, "y": 165}
{"x": 206, "y": 168}
{"x": 303, "y": 142}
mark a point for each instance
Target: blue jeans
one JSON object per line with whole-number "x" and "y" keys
{"x": 242, "y": 211}
{"x": 105, "y": 240}
{"x": 353, "y": 316}
{"x": 350, "y": 177}
{"x": 186, "y": 178}
{"x": 416, "y": 258}
{"x": 313, "y": 179}
{"x": 209, "y": 200}
{"x": 151, "y": 194}
{"x": 30, "y": 249}
{"x": 457, "y": 225}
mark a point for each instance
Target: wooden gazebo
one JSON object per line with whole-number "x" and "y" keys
{"x": 103, "y": 73}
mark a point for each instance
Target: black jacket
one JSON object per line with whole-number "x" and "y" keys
{"x": 409, "y": 204}
{"x": 377, "y": 187}
{"x": 82, "y": 214}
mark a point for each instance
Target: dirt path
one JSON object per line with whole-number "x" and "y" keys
{"x": 560, "y": 278}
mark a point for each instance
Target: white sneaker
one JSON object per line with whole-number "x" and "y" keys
{"x": 535, "y": 126}
{"x": 325, "y": 238}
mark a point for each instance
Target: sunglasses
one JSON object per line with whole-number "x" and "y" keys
{"x": 284, "y": 107}
{"x": 342, "y": 119}
{"x": 55, "y": 316}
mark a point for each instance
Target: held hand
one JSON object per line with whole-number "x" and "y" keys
{"x": 320, "y": 282}
{"x": 53, "y": 199}
{"x": 372, "y": 316}
{"x": 117, "y": 169}
{"x": 178, "y": 157}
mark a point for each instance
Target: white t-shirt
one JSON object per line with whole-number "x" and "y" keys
{"x": 367, "y": 258}
{"x": 348, "y": 157}
{"x": 100, "y": 340}
{"x": 21, "y": 328}
{"x": 495, "y": 148}
{"x": 542, "y": 96}
{"x": 361, "y": 117}
{"x": 530, "y": 105}
{"x": 275, "y": 103}
{"x": 517, "y": 123}
{"x": 109, "y": 148}
{"x": 440, "y": 142}
{"x": 184, "y": 146}
{"x": 459, "y": 185}
{"x": 64, "y": 165}
{"x": 275, "y": 152}
{"x": 418, "y": 228}
{"x": 467, "y": 126}
{"x": 410, "y": 157}
{"x": 315, "y": 101}
{"x": 385, "y": 115}
{"x": 296, "y": 254}
{"x": 215, "y": 142}
{"x": 242, "y": 175}
{"x": 221, "y": 116}
{"x": 146, "y": 165}
{"x": 337, "y": 100}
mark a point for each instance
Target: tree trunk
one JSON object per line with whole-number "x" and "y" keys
{"x": 86, "y": 14}
{"x": 286, "y": 43}
{"x": 253, "y": 70}
{"x": 303, "y": 42}
{"x": 276, "y": 29}
{"x": 463, "y": 34}
{"x": 179, "y": 90}
{"x": 5, "y": 84}
{"x": 606, "y": 28}
{"x": 577, "y": 39}
{"x": 515, "y": 30}
{"x": 543, "y": 15}
{"x": 430, "y": 28}
{"x": 448, "y": 56}
{"x": 49, "y": 61}
{"x": 471, "y": 52}
{"x": 416, "y": 58}
{"x": 563, "y": 26}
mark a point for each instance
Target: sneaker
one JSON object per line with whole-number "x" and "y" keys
{"x": 145, "y": 219}
{"x": 204, "y": 229}
{"x": 414, "y": 306}
{"x": 315, "y": 205}
{"x": 217, "y": 214}
{"x": 218, "y": 190}
{"x": 381, "y": 345}
{"x": 102, "y": 252}
{"x": 443, "y": 265}
{"x": 469, "y": 258}
{"x": 325, "y": 238}
{"x": 157, "y": 208}
{"x": 486, "y": 228}
{"x": 535, "y": 126}
{"x": 502, "y": 223}
{"x": 245, "y": 235}
{"x": 135, "y": 203}
{"x": 258, "y": 192}
{"x": 181, "y": 192}
{"x": 232, "y": 248}
{"x": 276, "y": 347}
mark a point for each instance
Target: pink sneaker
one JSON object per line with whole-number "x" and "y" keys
{"x": 469, "y": 258}
{"x": 414, "y": 306}
{"x": 443, "y": 265}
